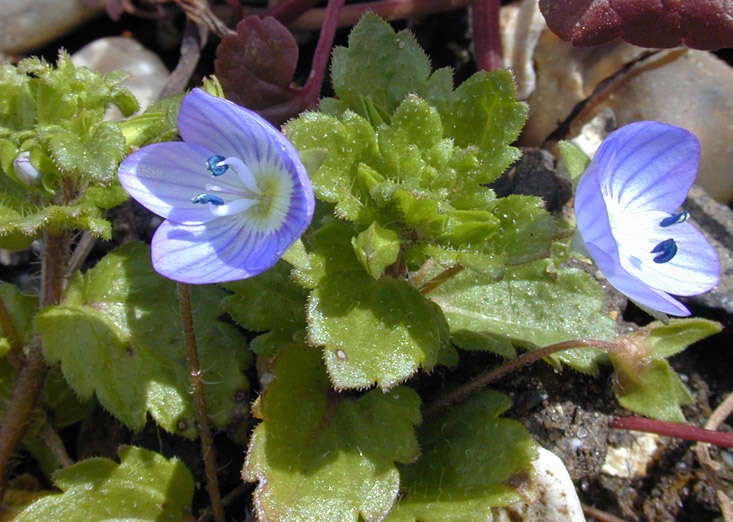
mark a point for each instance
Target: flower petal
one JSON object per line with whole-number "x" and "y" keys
{"x": 217, "y": 251}
{"x": 164, "y": 177}
{"x": 233, "y": 131}
{"x": 694, "y": 269}
{"x": 647, "y": 165}
{"x": 633, "y": 287}
{"x": 230, "y": 130}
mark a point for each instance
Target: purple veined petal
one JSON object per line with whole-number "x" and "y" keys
{"x": 647, "y": 165}
{"x": 230, "y": 130}
{"x": 220, "y": 250}
{"x": 592, "y": 216}
{"x": 694, "y": 269}
{"x": 164, "y": 177}
{"x": 633, "y": 287}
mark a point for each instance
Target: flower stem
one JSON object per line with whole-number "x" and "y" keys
{"x": 482, "y": 380}
{"x": 388, "y": 9}
{"x": 207, "y": 448}
{"x": 487, "y": 35}
{"x": 33, "y": 366}
{"x": 312, "y": 90}
{"x": 674, "y": 429}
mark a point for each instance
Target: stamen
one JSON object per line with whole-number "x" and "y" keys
{"x": 680, "y": 217}
{"x": 215, "y": 166}
{"x": 207, "y": 198}
{"x": 666, "y": 250}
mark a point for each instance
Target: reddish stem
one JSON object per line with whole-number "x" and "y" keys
{"x": 674, "y": 429}
{"x": 312, "y": 90}
{"x": 487, "y": 35}
{"x": 387, "y": 9}
{"x": 485, "y": 378}
{"x": 33, "y": 367}
{"x": 288, "y": 11}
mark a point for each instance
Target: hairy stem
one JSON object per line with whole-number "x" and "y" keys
{"x": 388, "y": 9}
{"x": 33, "y": 367}
{"x": 207, "y": 447}
{"x": 487, "y": 35}
{"x": 484, "y": 379}
{"x": 312, "y": 89}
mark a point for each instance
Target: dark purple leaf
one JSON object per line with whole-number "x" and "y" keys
{"x": 256, "y": 67}
{"x": 700, "y": 24}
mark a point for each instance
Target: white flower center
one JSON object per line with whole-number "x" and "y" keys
{"x": 260, "y": 197}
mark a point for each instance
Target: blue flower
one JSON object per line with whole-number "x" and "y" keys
{"x": 628, "y": 210}
{"x": 234, "y": 193}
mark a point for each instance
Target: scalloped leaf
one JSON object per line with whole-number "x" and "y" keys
{"x": 17, "y": 229}
{"x": 371, "y": 331}
{"x": 143, "y": 486}
{"x": 533, "y": 306}
{"x": 484, "y": 111}
{"x": 700, "y": 25}
{"x": 124, "y": 343}
{"x": 320, "y": 456}
{"x": 380, "y": 67}
{"x": 95, "y": 151}
{"x": 469, "y": 457}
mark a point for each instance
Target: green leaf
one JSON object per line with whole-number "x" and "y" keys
{"x": 320, "y": 456}
{"x": 656, "y": 391}
{"x": 484, "y": 112}
{"x": 143, "y": 486}
{"x": 118, "y": 334}
{"x": 350, "y": 140}
{"x": 669, "y": 339}
{"x": 469, "y": 457}
{"x": 270, "y": 302}
{"x": 645, "y": 383}
{"x": 21, "y": 309}
{"x": 380, "y": 67}
{"x": 531, "y": 306}
{"x": 376, "y": 248}
{"x": 575, "y": 160}
{"x": 54, "y": 217}
{"x": 371, "y": 331}
{"x": 94, "y": 152}
{"x": 528, "y": 230}
{"x": 157, "y": 124}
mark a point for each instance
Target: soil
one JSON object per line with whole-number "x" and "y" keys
{"x": 567, "y": 412}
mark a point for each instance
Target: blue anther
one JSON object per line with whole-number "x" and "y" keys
{"x": 207, "y": 198}
{"x": 666, "y": 250}
{"x": 213, "y": 165}
{"x": 680, "y": 217}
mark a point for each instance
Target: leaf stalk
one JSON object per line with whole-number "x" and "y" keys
{"x": 485, "y": 378}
